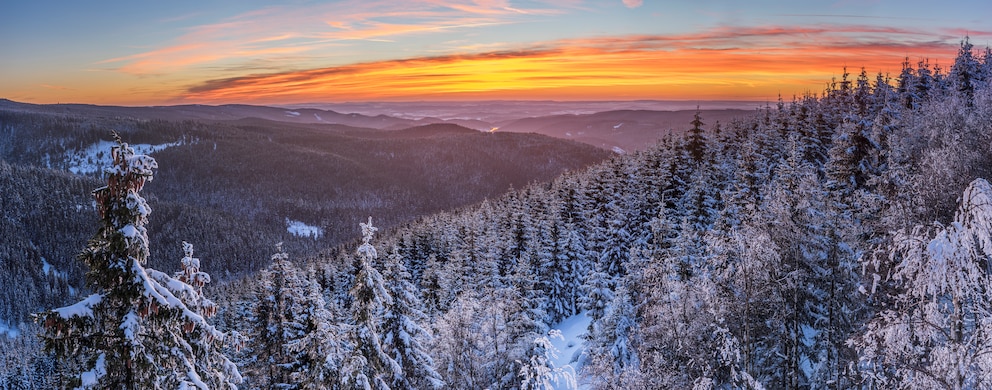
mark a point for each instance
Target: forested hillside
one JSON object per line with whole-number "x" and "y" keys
{"x": 832, "y": 241}
{"x": 798, "y": 249}
{"x": 238, "y": 187}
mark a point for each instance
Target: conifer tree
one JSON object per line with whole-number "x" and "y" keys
{"x": 321, "y": 349}
{"x": 277, "y": 324}
{"x": 369, "y": 366}
{"x": 141, "y": 328}
{"x": 612, "y": 345}
{"x": 696, "y": 143}
{"x": 214, "y": 368}
{"x": 404, "y": 338}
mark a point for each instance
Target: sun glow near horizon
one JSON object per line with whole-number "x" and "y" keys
{"x": 562, "y": 74}
{"x": 485, "y": 50}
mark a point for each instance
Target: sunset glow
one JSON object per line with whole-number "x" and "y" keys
{"x": 454, "y": 50}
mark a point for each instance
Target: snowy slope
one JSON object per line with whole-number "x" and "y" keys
{"x": 569, "y": 349}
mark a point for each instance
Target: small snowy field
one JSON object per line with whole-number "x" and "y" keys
{"x": 96, "y": 157}
{"x": 301, "y": 229}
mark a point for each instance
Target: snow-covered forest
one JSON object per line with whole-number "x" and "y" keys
{"x": 835, "y": 240}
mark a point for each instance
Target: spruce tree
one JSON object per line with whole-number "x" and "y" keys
{"x": 369, "y": 366}
{"x": 321, "y": 349}
{"x": 141, "y": 328}
{"x": 404, "y": 338}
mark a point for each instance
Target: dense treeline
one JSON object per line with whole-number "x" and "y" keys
{"x": 782, "y": 251}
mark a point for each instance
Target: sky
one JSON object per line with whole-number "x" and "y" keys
{"x": 139, "y": 53}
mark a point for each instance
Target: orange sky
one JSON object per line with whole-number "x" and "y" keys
{"x": 351, "y": 50}
{"x": 622, "y": 68}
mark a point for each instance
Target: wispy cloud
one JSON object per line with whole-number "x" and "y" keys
{"x": 274, "y": 31}
{"x": 56, "y": 87}
{"x": 633, "y": 3}
{"x": 741, "y": 62}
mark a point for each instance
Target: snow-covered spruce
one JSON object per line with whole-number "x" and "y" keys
{"x": 141, "y": 328}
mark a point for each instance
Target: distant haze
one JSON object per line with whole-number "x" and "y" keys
{"x": 499, "y": 111}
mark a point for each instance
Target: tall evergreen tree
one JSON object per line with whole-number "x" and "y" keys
{"x": 696, "y": 142}
{"x": 278, "y": 323}
{"x": 404, "y": 337}
{"x": 141, "y": 328}
{"x": 369, "y": 366}
{"x": 321, "y": 349}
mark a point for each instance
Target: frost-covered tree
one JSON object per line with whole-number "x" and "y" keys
{"x": 141, "y": 328}
{"x": 540, "y": 373}
{"x": 597, "y": 294}
{"x": 459, "y": 346}
{"x": 321, "y": 349}
{"x": 278, "y": 322}
{"x": 938, "y": 333}
{"x": 404, "y": 338}
{"x": 369, "y": 366}
{"x": 611, "y": 348}
{"x": 213, "y": 367}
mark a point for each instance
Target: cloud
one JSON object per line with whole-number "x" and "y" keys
{"x": 273, "y": 31}
{"x": 737, "y": 62}
{"x": 633, "y": 3}
{"x": 56, "y": 87}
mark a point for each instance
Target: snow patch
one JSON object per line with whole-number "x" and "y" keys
{"x": 618, "y": 150}
{"x": 10, "y": 331}
{"x": 570, "y": 346}
{"x": 318, "y": 117}
{"x": 618, "y": 126}
{"x": 91, "y": 378}
{"x": 301, "y": 229}
{"x": 292, "y": 113}
{"x": 83, "y": 308}
{"x": 49, "y": 269}
{"x": 95, "y": 158}
{"x": 129, "y": 231}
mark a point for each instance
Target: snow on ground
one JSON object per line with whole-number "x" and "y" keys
{"x": 618, "y": 126}
{"x": 48, "y": 268}
{"x": 292, "y": 113}
{"x": 618, "y": 150}
{"x": 96, "y": 157}
{"x": 301, "y": 229}
{"x": 569, "y": 349}
{"x": 10, "y": 331}
{"x": 318, "y": 117}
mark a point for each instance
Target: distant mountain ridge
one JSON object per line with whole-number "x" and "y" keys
{"x": 618, "y": 128}
{"x": 624, "y": 129}
{"x": 214, "y": 113}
